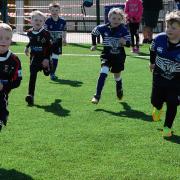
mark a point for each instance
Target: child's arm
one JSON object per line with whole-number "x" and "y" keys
{"x": 16, "y": 76}
{"x": 152, "y": 60}
{"x": 93, "y": 47}
{"x": 94, "y": 34}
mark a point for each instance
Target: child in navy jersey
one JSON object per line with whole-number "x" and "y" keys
{"x": 165, "y": 64}
{"x": 40, "y": 51}
{"x": 115, "y": 35}
{"x": 10, "y": 71}
{"x": 57, "y": 28}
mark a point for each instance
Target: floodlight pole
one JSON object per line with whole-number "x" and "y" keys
{"x": 98, "y": 16}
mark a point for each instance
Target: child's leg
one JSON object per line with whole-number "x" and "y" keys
{"x": 32, "y": 83}
{"x": 3, "y": 108}
{"x": 131, "y": 28}
{"x": 55, "y": 63}
{"x": 172, "y": 103}
{"x": 137, "y": 34}
{"x": 119, "y": 89}
{"x": 101, "y": 81}
{"x": 170, "y": 114}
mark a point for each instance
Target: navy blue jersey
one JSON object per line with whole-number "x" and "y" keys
{"x": 10, "y": 71}
{"x": 111, "y": 37}
{"x": 167, "y": 62}
{"x": 39, "y": 43}
{"x": 55, "y": 28}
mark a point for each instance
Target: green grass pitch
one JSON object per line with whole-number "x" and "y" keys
{"x": 65, "y": 137}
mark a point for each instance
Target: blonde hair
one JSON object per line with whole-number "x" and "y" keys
{"x": 117, "y": 11}
{"x": 54, "y": 4}
{"x": 173, "y": 17}
{"x": 36, "y": 13}
{"x": 6, "y": 27}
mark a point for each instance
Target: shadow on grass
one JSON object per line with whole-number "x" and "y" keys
{"x": 68, "y": 82}
{"x": 13, "y": 174}
{"x": 86, "y": 46}
{"x": 141, "y": 55}
{"x": 55, "y": 108}
{"x": 174, "y": 139}
{"x": 129, "y": 113}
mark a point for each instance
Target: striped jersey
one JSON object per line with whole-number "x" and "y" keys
{"x": 111, "y": 37}
{"x": 167, "y": 62}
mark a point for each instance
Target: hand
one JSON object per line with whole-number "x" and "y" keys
{"x": 1, "y": 86}
{"x": 151, "y": 67}
{"x": 93, "y": 48}
{"x": 45, "y": 63}
{"x": 122, "y": 41}
{"x": 26, "y": 51}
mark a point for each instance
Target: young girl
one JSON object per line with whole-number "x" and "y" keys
{"x": 115, "y": 35}
{"x": 134, "y": 10}
{"x": 40, "y": 45}
{"x": 10, "y": 71}
{"x": 165, "y": 63}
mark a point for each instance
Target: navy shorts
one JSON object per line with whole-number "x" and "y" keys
{"x": 114, "y": 62}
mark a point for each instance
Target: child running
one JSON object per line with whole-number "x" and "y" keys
{"x": 57, "y": 28}
{"x": 115, "y": 36}
{"x": 165, "y": 64}
{"x": 40, "y": 46}
{"x": 10, "y": 71}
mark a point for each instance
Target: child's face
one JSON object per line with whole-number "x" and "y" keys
{"x": 5, "y": 40}
{"x": 37, "y": 22}
{"x": 54, "y": 11}
{"x": 173, "y": 31}
{"x": 115, "y": 20}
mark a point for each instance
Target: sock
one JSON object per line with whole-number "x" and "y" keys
{"x": 119, "y": 83}
{"x": 55, "y": 63}
{"x": 100, "y": 84}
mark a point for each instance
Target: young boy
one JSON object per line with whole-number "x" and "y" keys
{"x": 57, "y": 28}
{"x": 40, "y": 45}
{"x": 134, "y": 10}
{"x": 165, "y": 63}
{"x": 115, "y": 35}
{"x": 10, "y": 71}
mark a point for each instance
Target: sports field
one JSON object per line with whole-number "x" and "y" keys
{"x": 65, "y": 137}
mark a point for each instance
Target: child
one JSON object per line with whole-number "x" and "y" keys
{"x": 165, "y": 63}
{"x": 40, "y": 45}
{"x": 10, "y": 71}
{"x": 115, "y": 35}
{"x": 134, "y": 10}
{"x": 57, "y": 28}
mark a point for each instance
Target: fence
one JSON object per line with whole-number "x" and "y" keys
{"x": 71, "y": 10}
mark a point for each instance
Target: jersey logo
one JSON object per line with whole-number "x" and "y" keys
{"x": 160, "y": 50}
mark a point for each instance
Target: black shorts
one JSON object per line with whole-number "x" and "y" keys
{"x": 3, "y": 106}
{"x": 57, "y": 47}
{"x": 114, "y": 62}
{"x": 36, "y": 66}
{"x": 167, "y": 92}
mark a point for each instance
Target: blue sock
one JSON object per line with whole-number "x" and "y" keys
{"x": 100, "y": 84}
{"x": 55, "y": 63}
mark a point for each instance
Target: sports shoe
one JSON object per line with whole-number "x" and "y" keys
{"x": 30, "y": 100}
{"x": 156, "y": 114}
{"x": 133, "y": 50}
{"x": 53, "y": 77}
{"x": 95, "y": 100}
{"x": 167, "y": 132}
